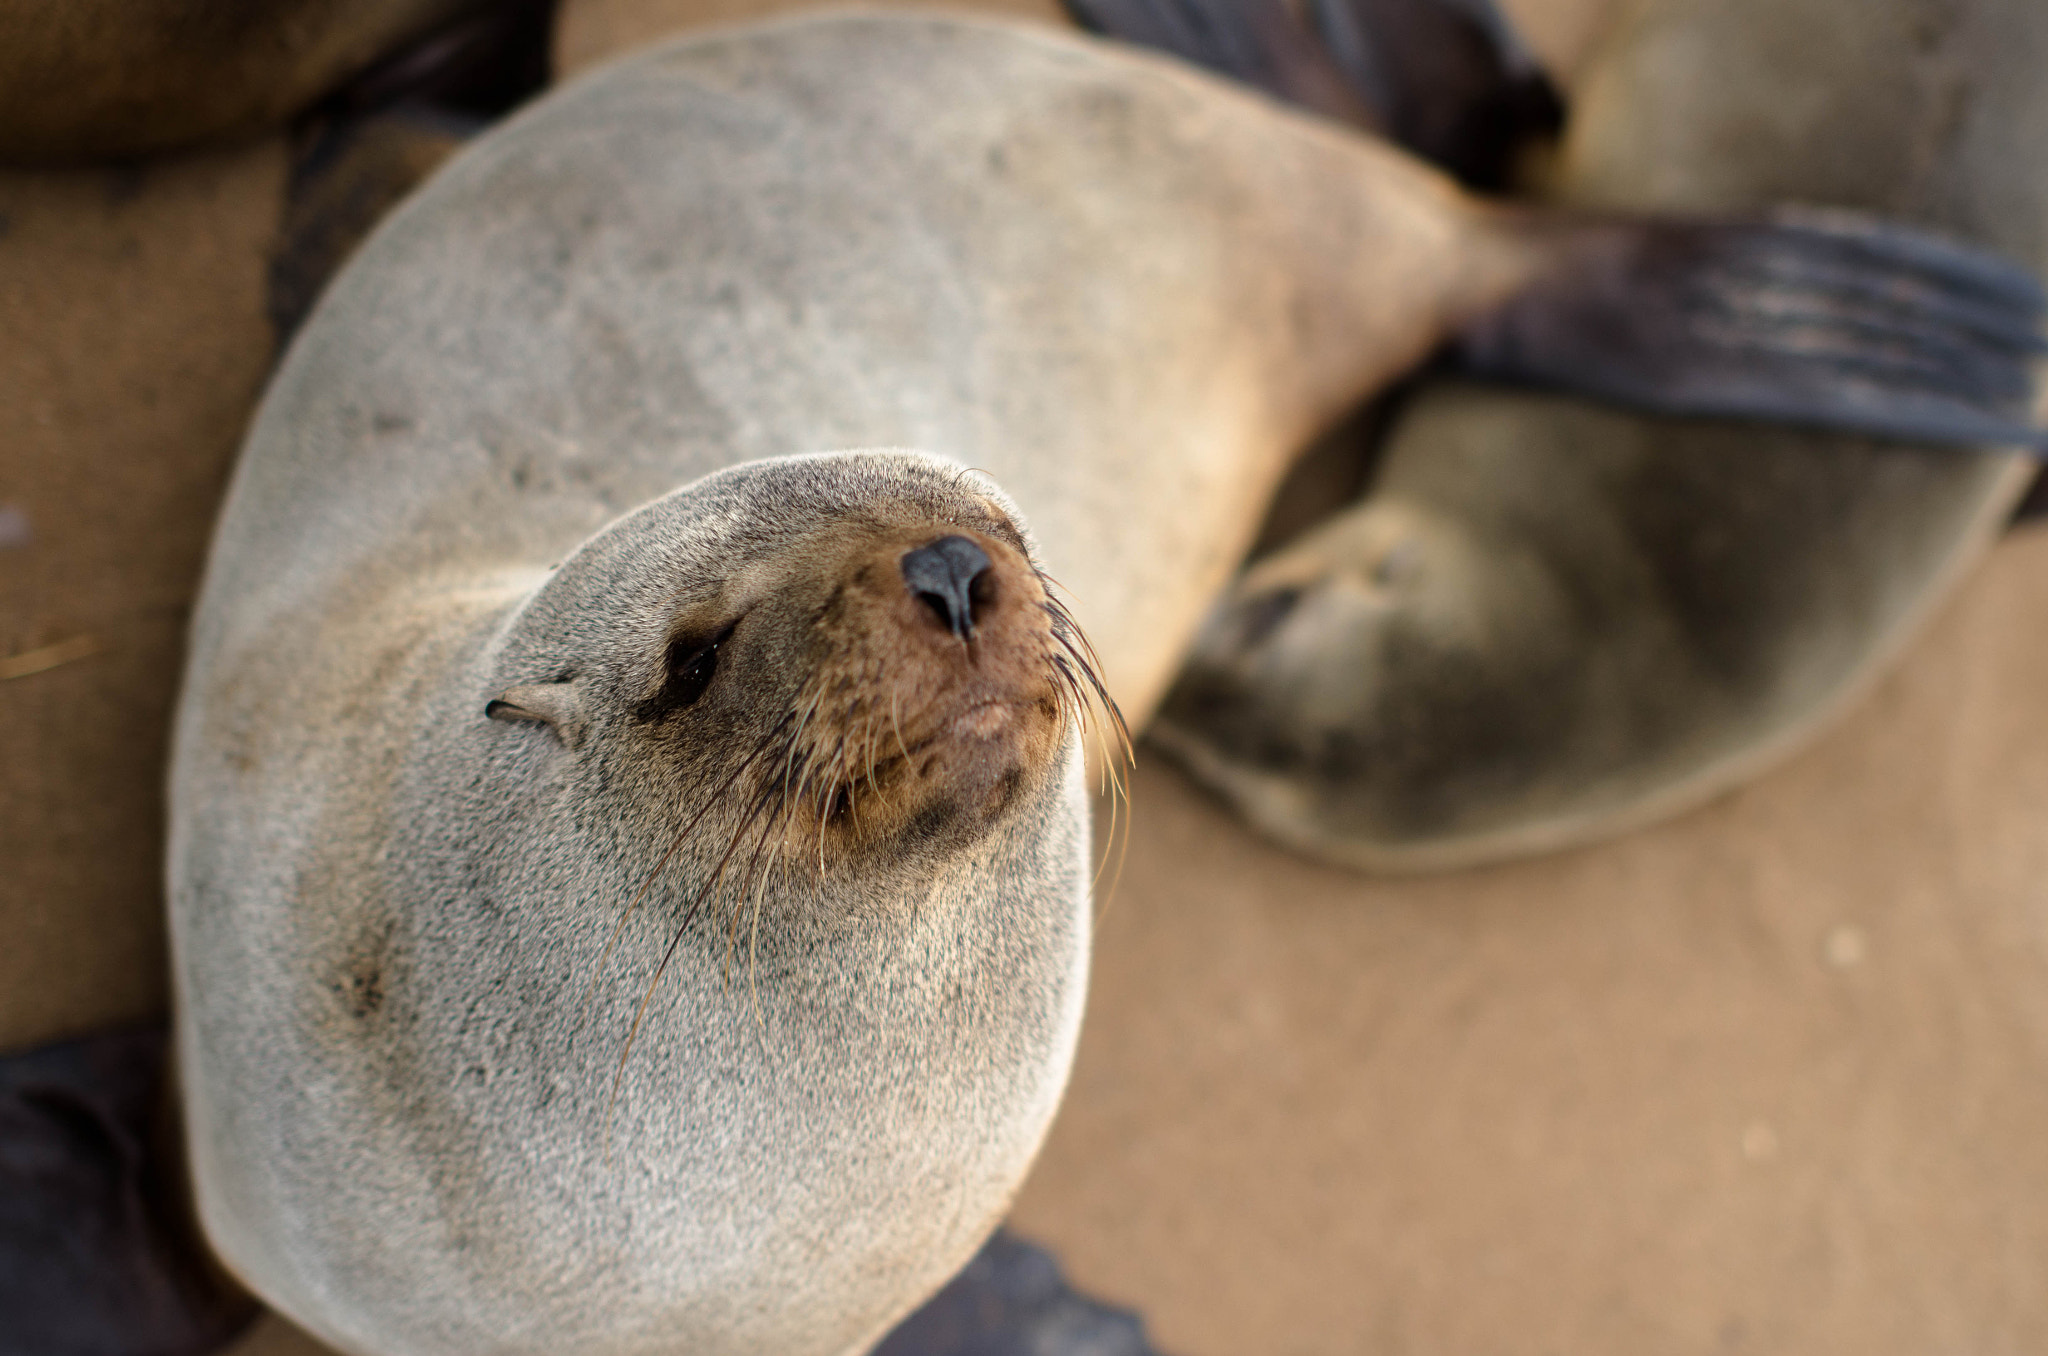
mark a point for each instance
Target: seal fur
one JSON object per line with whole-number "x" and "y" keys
{"x": 389, "y": 908}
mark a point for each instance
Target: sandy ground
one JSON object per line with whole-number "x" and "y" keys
{"x": 133, "y": 344}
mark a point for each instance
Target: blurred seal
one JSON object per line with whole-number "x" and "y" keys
{"x": 1549, "y": 622}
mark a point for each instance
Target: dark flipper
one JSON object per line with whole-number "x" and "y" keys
{"x": 1824, "y": 318}
{"x": 2034, "y": 507}
{"x": 1452, "y": 80}
{"x": 1259, "y": 42}
{"x": 1448, "y": 79}
{"x": 1012, "y": 1301}
{"x": 366, "y": 146}
{"x": 96, "y": 1258}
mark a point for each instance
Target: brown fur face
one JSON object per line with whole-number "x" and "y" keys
{"x": 867, "y": 726}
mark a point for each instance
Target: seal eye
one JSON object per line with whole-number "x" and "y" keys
{"x": 692, "y": 663}
{"x": 689, "y": 675}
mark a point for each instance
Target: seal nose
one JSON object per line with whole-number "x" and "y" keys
{"x": 952, "y": 577}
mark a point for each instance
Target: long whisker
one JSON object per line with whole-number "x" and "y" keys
{"x": 796, "y": 739}
{"x": 682, "y": 835}
{"x": 1112, "y": 735}
{"x": 778, "y": 793}
{"x": 689, "y": 915}
{"x": 868, "y": 751}
{"x": 897, "y": 726}
{"x": 754, "y": 931}
{"x": 1076, "y": 706}
{"x": 777, "y": 797}
{"x": 1083, "y": 655}
{"x": 754, "y": 935}
{"x": 754, "y": 878}
{"x": 826, "y": 795}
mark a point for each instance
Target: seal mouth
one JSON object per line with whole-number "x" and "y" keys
{"x": 984, "y": 720}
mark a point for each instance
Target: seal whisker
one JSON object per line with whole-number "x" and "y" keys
{"x": 689, "y": 915}
{"x": 775, "y": 799}
{"x": 682, "y": 835}
{"x": 796, "y": 739}
{"x": 1075, "y": 641}
{"x": 1112, "y": 717}
{"x": 835, "y": 786}
{"x": 1111, "y": 734}
{"x": 1120, "y": 837}
{"x": 897, "y": 725}
{"x": 753, "y": 880}
{"x": 754, "y": 934}
{"x": 868, "y": 741}
{"x": 827, "y": 795}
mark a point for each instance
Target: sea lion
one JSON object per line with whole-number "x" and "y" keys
{"x": 1764, "y": 1078}
{"x": 809, "y": 705}
{"x": 445, "y": 818}
{"x": 1550, "y": 622}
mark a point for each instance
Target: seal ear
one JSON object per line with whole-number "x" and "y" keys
{"x": 559, "y": 706}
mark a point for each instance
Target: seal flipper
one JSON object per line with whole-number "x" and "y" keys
{"x": 1823, "y": 318}
{"x": 1450, "y": 80}
{"x": 94, "y": 1260}
{"x": 1012, "y": 1300}
{"x": 1258, "y": 42}
{"x": 371, "y": 142}
{"x": 1826, "y": 318}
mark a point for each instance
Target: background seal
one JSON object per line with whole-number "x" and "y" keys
{"x": 1549, "y": 622}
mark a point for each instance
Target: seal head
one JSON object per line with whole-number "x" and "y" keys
{"x": 889, "y": 661}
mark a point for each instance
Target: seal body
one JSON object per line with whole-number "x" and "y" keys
{"x": 1549, "y": 622}
{"x": 412, "y": 968}
{"x": 714, "y": 990}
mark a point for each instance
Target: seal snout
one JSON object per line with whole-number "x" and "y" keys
{"x": 889, "y": 683}
{"x": 954, "y": 578}
{"x": 933, "y": 697}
